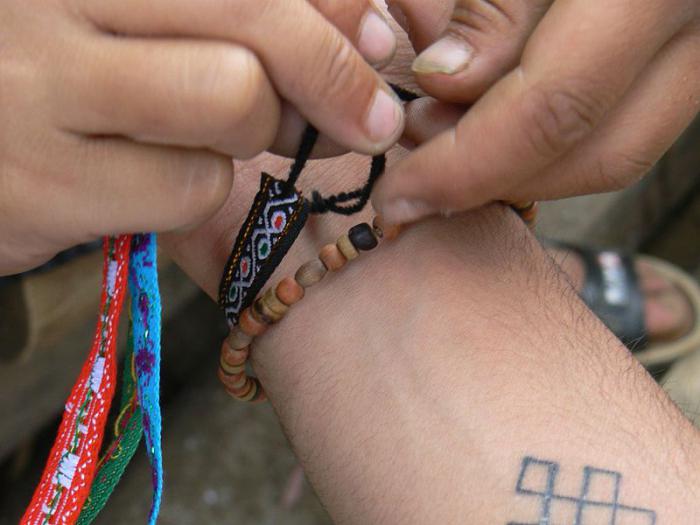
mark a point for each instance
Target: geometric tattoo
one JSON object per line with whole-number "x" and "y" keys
{"x": 598, "y": 502}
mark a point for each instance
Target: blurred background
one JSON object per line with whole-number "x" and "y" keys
{"x": 228, "y": 462}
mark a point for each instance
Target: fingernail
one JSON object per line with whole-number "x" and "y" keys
{"x": 377, "y": 42}
{"x": 397, "y": 13}
{"x": 402, "y": 211}
{"x": 385, "y": 118}
{"x": 446, "y": 56}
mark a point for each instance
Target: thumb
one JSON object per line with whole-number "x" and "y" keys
{"x": 483, "y": 41}
{"x": 454, "y": 169}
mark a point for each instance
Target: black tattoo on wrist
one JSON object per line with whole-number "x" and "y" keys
{"x": 598, "y": 502}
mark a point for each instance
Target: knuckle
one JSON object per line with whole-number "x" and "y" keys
{"x": 334, "y": 9}
{"x": 229, "y": 84}
{"x": 250, "y": 11}
{"x": 342, "y": 13}
{"x": 340, "y": 74}
{"x": 621, "y": 169}
{"x": 240, "y": 72}
{"x": 483, "y": 15}
{"x": 555, "y": 117}
{"x": 242, "y": 98}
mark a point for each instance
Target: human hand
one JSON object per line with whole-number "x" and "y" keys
{"x": 578, "y": 97}
{"x": 122, "y": 116}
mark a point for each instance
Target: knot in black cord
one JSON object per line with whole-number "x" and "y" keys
{"x": 344, "y": 203}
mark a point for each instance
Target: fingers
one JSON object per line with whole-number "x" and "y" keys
{"x": 189, "y": 93}
{"x": 135, "y": 187}
{"x": 482, "y": 42}
{"x": 321, "y": 74}
{"x": 423, "y": 20}
{"x": 566, "y": 84}
{"x": 426, "y": 118}
{"x": 364, "y": 24}
{"x": 636, "y": 134}
{"x": 291, "y": 130}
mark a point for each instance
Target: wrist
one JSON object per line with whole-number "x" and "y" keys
{"x": 459, "y": 344}
{"x": 407, "y": 334}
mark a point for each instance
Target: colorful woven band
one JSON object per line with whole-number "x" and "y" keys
{"x": 146, "y": 316}
{"x": 275, "y": 220}
{"x": 127, "y": 435}
{"x": 71, "y": 466}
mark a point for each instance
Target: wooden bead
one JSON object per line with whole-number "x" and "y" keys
{"x": 346, "y": 248}
{"x": 310, "y": 273}
{"x": 258, "y": 315}
{"x": 289, "y": 291}
{"x": 234, "y": 357}
{"x": 238, "y": 339}
{"x": 332, "y": 258}
{"x": 250, "y": 325}
{"x": 241, "y": 388}
{"x": 362, "y": 237}
{"x": 273, "y": 302}
{"x": 243, "y": 392}
{"x": 387, "y": 232}
{"x": 269, "y": 308}
{"x": 521, "y": 205}
{"x": 255, "y": 387}
{"x": 231, "y": 382}
{"x": 529, "y": 214}
{"x": 231, "y": 370}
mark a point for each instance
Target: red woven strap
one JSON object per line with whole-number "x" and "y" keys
{"x": 65, "y": 483}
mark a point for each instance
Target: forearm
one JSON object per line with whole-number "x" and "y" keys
{"x": 413, "y": 384}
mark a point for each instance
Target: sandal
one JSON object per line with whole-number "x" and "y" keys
{"x": 611, "y": 289}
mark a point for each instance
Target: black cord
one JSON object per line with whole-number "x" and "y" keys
{"x": 404, "y": 94}
{"x": 338, "y": 203}
{"x": 361, "y": 196}
{"x": 308, "y": 141}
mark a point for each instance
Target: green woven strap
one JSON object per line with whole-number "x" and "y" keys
{"x": 128, "y": 430}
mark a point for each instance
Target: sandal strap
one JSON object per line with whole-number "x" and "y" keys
{"x": 611, "y": 290}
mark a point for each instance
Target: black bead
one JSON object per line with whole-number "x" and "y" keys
{"x": 362, "y": 237}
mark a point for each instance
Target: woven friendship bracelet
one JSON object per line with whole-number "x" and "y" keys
{"x": 275, "y": 220}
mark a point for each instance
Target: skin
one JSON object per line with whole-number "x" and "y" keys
{"x": 159, "y": 168}
{"x": 565, "y": 97}
{"x": 468, "y": 168}
{"x": 412, "y": 383}
{"x": 123, "y": 116}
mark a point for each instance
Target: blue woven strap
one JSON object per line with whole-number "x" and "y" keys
{"x": 146, "y": 315}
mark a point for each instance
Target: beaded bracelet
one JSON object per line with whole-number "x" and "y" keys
{"x": 274, "y": 222}
{"x": 274, "y": 303}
